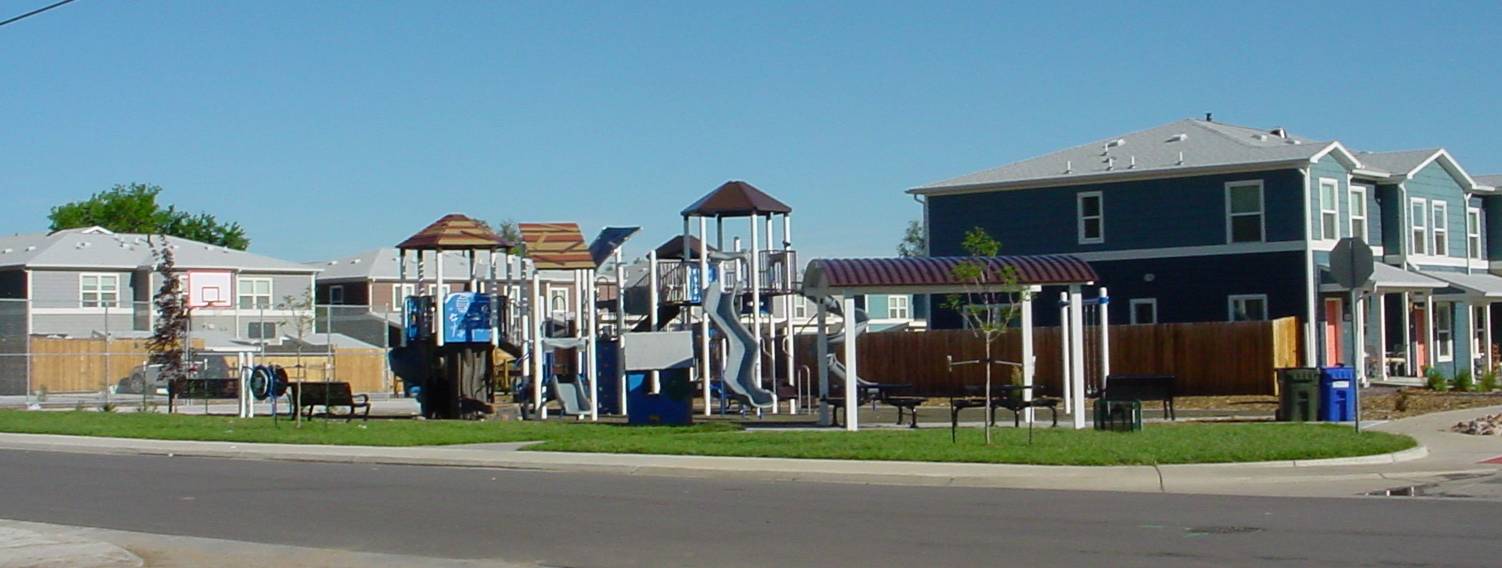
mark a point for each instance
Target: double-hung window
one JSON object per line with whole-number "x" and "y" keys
{"x": 336, "y": 294}
{"x": 1358, "y": 212}
{"x": 1329, "y": 211}
{"x": 1418, "y": 232}
{"x": 898, "y": 307}
{"x": 1473, "y": 233}
{"x": 254, "y": 293}
{"x": 99, "y": 290}
{"x": 1441, "y": 228}
{"x": 1244, "y": 212}
{"x": 1247, "y": 307}
{"x": 1092, "y": 218}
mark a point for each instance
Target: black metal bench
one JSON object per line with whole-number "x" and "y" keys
{"x": 907, "y": 404}
{"x": 330, "y": 396}
{"x": 1012, "y": 400}
{"x": 1142, "y": 388}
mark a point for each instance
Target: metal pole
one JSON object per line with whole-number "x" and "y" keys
{"x": 1066, "y": 373}
{"x": 754, "y": 279}
{"x": 1356, "y": 332}
{"x": 620, "y": 332}
{"x": 1028, "y": 367}
{"x": 1104, "y": 303}
{"x": 535, "y": 300}
{"x": 852, "y": 418}
{"x": 821, "y": 352}
{"x": 704, "y": 363}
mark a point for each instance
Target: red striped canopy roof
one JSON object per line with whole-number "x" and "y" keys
{"x": 556, "y": 246}
{"x": 1037, "y": 270}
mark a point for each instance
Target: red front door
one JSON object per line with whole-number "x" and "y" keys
{"x": 1332, "y": 332}
{"x": 1420, "y": 339}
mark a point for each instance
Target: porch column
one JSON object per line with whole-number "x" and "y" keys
{"x": 1430, "y": 349}
{"x": 1381, "y": 335}
{"x": 1486, "y": 334}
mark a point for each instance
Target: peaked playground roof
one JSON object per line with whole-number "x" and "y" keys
{"x": 556, "y": 246}
{"x": 455, "y": 232}
{"x": 735, "y": 199}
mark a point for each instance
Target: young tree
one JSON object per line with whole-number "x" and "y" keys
{"x": 302, "y": 314}
{"x": 167, "y": 346}
{"x": 992, "y": 299}
{"x": 913, "y": 243}
{"x": 133, "y": 208}
{"x": 509, "y": 230}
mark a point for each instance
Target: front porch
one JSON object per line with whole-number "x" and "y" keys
{"x": 1406, "y": 322}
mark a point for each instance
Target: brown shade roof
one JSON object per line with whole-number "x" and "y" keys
{"x": 673, "y": 248}
{"x": 913, "y": 272}
{"x": 736, "y": 199}
{"x": 455, "y": 232}
{"x": 556, "y": 246}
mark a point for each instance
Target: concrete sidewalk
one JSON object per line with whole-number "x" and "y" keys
{"x": 35, "y": 545}
{"x": 1442, "y": 456}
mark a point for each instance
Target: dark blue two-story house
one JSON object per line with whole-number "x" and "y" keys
{"x": 1198, "y": 221}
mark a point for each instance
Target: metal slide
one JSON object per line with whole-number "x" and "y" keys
{"x": 740, "y": 358}
{"x": 862, "y": 323}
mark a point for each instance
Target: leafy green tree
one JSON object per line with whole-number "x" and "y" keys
{"x": 134, "y": 208}
{"x": 913, "y": 242}
{"x": 992, "y": 297}
{"x": 509, "y": 230}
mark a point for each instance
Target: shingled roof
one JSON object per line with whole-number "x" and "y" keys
{"x": 736, "y": 199}
{"x": 455, "y": 232}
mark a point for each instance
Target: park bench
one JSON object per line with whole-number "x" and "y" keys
{"x": 329, "y": 395}
{"x": 201, "y": 389}
{"x": 1142, "y": 388}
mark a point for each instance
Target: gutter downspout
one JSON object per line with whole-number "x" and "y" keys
{"x": 1312, "y": 282}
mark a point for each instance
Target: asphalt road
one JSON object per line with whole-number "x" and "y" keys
{"x": 585, "y": 520}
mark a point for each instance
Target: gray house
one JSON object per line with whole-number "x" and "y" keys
{"x": 90, "y": 282}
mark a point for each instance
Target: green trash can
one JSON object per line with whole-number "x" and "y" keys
{"x": 1298, "y": 394}
{"x": 1118, "y": 415}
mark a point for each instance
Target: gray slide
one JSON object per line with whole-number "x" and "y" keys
{"x": 740, "y": 358}
{"x": 573, "y": 395}
{"x": 862, "y": 323}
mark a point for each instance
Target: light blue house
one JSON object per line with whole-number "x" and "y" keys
{"x": 1197, "y": 220}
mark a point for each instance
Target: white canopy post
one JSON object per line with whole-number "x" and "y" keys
{"x": 442, "y": 294}
{"x": 1028, "y": 366}
{"x": 704, "y": 363}
{"x": 1104, "y": 313}
{"x": 591, "y": 343}
{"x": 754, "y": 280}
{"x": 821, "y": 352}
{"x": 535, "y": 301}
{"x": 1077, "y": 354}
{"x": 620, "y": 331}
{"x": 852, "y": 398}
{"x": 1066, "y": 373}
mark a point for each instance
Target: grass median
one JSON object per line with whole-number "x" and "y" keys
{"x": 1157, "y": 443}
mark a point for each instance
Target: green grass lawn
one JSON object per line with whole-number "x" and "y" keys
{"x": 1157, "y": 443}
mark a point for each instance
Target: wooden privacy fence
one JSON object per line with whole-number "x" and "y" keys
{"x": 1218, "y": 358}
{"x": 90, "y": 365}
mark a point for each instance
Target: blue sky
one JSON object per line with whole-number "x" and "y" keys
{"x": 331, "y": 127}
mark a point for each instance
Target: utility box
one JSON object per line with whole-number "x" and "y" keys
{"x": 1337, "y": 394}
{"x": 1298, "y": 394}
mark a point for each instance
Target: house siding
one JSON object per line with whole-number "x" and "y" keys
{"x": 1143, "y": 214}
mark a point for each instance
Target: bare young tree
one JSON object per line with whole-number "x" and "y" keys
{"x": 992, "y": 299}
{"x": 167, "y": 346}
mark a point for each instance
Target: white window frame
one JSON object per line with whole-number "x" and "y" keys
{"x": 1473, "y": 241}
{"x": 247, "y": 282}
{"x": 1233, "y": 299}
{"x": 1261, "y": 212}
{"x": 1358, "y": 194}
{"x": 98, "y": 302}
{"x": 554, "y": 293}
{"x": 1132, "y": 310}
{"x": 1329, "y": 209}
{"x": 1418, "y": 227}
{"x": 399, "y": 293}
{"x": 336, "y": 294}
{"x": 1440, "y": 211}
{"x": 1099, "y": 217}
{"x": 905, "y": 311}
{"x": 1444, "y": 335}
{"x": 800, "y": 307}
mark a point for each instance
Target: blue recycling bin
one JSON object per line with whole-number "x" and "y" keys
{"x": 1337, "y": 394}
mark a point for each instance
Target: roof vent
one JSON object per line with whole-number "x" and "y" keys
{"x": 333, "y": 262}
{"x": 6, "y": 251}
{"x": 1181, "y": 158}
{"x": 1068, "y": 166}
{"x": 1178, "y": 137}
{"x": 1260, "y": 136}
{"x": 1133, "y": 164}
{"x": 1116, "y": 143}
{"x": 31, "y": 248}
{"x": 355, "y": 261}
{"x": 1110, "y": 162}
{"x": 1279, "y": 132}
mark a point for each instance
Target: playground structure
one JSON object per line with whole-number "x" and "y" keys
{"x": 844, "y": 279}
{"x": 449, "y": 339}
{"x": 717, "y": 319}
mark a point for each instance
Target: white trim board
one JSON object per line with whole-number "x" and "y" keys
{"x": 1180, "y": 252}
